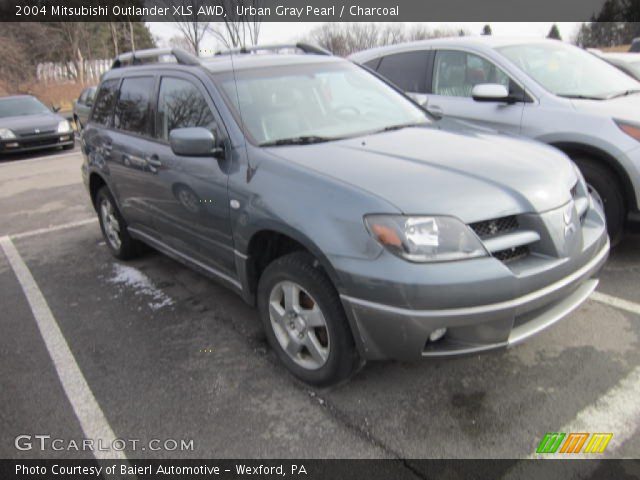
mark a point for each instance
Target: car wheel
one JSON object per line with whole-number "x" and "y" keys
{"x": 69, "y": 147}
{"x": 605, "y": 189}
{"x": 305, "y": 322}
{"x": 114, "y": 228}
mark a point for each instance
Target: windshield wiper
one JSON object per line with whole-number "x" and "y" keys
{"x": 624, "y": 94}
{"x": 391, "y": 128}
{"x": 580, "y": 97}
{"x": 301, "y": 140}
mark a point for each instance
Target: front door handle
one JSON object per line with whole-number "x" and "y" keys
{"x": 153, "y": 161}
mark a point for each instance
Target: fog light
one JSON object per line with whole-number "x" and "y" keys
{"x": 11, "y": 145}
{"x": 437, "y": 334}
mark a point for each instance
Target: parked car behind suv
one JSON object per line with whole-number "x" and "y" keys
{"x": 543, "y": 89}
{"x": 335, "y": 204}
{"x": 629, "y": 63}
{"x": 26, "y": 124}
{"x": 82, "y": 107}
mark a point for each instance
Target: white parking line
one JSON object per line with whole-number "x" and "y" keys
{"x": 616, "y": 302}
{"x": 54, "y": 228}
{"x": 89, "y": 414}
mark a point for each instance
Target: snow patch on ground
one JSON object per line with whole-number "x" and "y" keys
{"x": 141, "y": 284}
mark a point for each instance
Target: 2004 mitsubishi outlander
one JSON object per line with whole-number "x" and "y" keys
{"x": 322, "y": 194}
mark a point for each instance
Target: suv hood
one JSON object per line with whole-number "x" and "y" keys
{"x": 623, "y": 108}
{"x": 472, "y": 176}
{"x": 26, "y": 124}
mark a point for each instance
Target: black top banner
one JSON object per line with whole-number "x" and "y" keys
{"x": 300, "y": 10}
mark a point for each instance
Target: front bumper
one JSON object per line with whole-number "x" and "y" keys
{"x": 394, "y": 306}
{"x": 36, "y": 142}
{"x": 391, "y": 332}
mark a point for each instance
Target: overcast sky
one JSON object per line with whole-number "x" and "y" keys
{"x": 284, "y": 32}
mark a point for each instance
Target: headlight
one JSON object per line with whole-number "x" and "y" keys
{"x": 6, "y": 134}
{"x": 425, "y": 239}
{"x": 64, "y": 127}
{"x": 629, "y": 128}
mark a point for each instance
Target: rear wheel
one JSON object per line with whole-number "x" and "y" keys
{"x": 605, "y": 189}
{"x": 114, "y": 228}
{"x": 304, "y": 320}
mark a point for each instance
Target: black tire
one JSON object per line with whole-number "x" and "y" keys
{"x": 69, "y": 147}
{"x": 129, "y": 247}
{"x": 302, "y": 269}
{"x": 606, "y": 184}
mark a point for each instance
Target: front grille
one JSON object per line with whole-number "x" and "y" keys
{"x": 512, "y": 254}
{"x": 33, "y": 133}
{"x": 497, "y": 226}
{"x": 40, "y": 142}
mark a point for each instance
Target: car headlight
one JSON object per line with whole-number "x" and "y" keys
{"x": 629, "y": 128}
{"x": 425, "y": 238}
{"x": 64, "y": 127}
{"x": 6, "y": 134}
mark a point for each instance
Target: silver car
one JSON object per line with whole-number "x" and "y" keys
{"x": 543, "y": 89}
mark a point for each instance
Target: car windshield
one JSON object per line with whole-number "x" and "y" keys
{"x": 569, "y": 71}
{"x": 16, "y": 107}
{"x": 315, "y": 102}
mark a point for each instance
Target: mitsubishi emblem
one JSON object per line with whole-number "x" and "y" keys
{"x": 37, "y": 130}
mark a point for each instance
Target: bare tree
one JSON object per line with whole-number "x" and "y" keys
{"x": 238, "y": 29}
{"x": 191, "y": 26}
{"x": 346, "y": 38}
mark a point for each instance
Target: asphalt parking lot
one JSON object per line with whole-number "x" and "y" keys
{"x": 168, "y": 354}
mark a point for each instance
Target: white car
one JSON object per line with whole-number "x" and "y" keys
{"x": 543, "y": 89}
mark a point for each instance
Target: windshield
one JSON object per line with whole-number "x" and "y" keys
{"x": 16, "y": 107}
{"x": 316, "y": 102}
{"x": 569, "y": 71}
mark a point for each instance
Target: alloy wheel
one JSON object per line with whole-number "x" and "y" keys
{"x": 299, "y": 325}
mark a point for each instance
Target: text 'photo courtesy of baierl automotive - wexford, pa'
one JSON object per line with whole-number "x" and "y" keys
{"x": 366, "y": 240}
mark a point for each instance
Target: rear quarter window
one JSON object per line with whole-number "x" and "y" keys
{"x": 105, "y": 101}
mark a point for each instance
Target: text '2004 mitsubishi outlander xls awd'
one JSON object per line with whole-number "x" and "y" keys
{"x": 325, "y": 196}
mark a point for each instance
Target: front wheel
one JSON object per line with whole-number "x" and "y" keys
{"x": 304, "y": 320}
{"x": 606, "y": 190}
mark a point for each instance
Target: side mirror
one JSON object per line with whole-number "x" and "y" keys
{"x": 55, "y": 108}
{"x": 193, "y": 142}
{"x": 420, "y": 98}
{"x": 490, "y": 92}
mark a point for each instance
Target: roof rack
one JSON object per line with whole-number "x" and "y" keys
{"x": 136, "y": 57}
{"x": 304, "y": 47}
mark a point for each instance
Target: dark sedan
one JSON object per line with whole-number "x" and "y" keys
{"x": 26, "y": 124}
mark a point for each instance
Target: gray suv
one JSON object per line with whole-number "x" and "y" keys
{"x": 334, "y": 203}
{"x": 542, "y": 89}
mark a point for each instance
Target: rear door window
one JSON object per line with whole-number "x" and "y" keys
{"x": 133, "y": 109}
{"x": 105, "y": 101}
{"x": 407, "y": 70}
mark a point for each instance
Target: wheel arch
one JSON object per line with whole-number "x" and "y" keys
{"x": 573, "y": 149}
{"x": 266, "y": 243}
